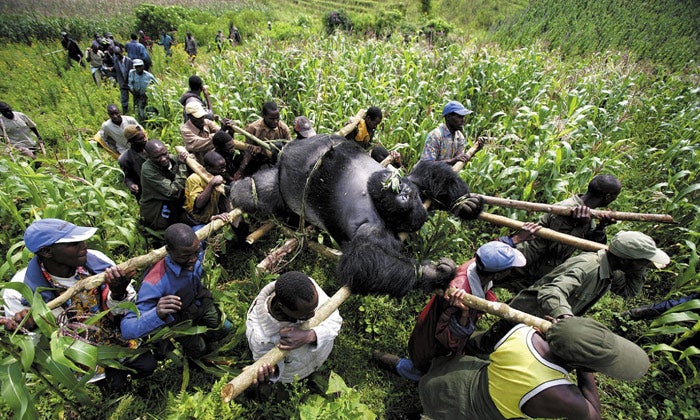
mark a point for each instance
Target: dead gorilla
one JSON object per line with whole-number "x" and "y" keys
{"x": 338, "y": 187}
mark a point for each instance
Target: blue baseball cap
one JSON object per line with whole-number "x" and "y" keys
{"x": 46, "y": 232}
{"x": 497, "y": 256}
{"x": 456, "y": 107}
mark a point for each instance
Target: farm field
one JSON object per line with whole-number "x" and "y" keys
{"x": 553, "y": 125}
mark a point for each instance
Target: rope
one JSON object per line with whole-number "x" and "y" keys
{"x": 254, "y": 192}
{"x": 317, "y": 164}
{"x": 458, "y": 202}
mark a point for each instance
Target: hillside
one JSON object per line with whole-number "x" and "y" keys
{"x": 551, "y": 125}
{"x": 662, "y": 31}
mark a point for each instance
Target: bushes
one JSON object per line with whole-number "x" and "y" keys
{"x": 336, "y": 19}
{"x": 154, "y": 19}
{"x": 25, "y": 28}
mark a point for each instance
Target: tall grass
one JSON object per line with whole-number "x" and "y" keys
{"x": 663, "y": 31}
{"x": 555, "y": 123}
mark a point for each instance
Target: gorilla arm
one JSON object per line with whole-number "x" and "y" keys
{"x": 446, "y": 190}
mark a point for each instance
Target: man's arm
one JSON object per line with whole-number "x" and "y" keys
{"x": 130, "y": 175}
{"x": 553, "y": 297}
{"x": 193, "y": 142}
{"x": 567, "y": 401}
{"x": 136, "y": 327}
{"x": 205, "y": 196}
{"x": 628, "y": 284}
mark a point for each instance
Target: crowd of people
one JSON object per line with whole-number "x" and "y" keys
{"x": 510, "y": 370}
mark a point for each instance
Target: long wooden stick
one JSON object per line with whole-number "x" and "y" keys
{"x": 235, "y": 387}
{"x": 546, "y": 233}
{"x": 136, "y": 263}
{"x": 504, "y": 311}
{"x": 198, "y": 168}
{"x": 260, "y": 232}
{"x": 321, "y": 249}
{"x": 274, "y": 258}
{"x": 566, "y": 211}
{"x": 250, "y": 137}
{"x": 349, "y": 127}
{"x": 239, "y": 145}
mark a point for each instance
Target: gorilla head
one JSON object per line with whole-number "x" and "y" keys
{"x": 397, "y": 201}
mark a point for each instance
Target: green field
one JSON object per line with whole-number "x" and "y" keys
{"x": 555, "y": 122}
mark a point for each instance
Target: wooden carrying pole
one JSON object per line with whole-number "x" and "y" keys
{"x": 349, "y": 127}
{"x": 566, "y": 211}
{"x": 235, "y": 387}
{"x": 504, "y": 311}
{"x": 198, "y": 168}
{"x": 239, "y": 145}
{"x": 133, "y": 264}
{"x": 260, "y": 232}
{"x": 250, "y": 137}
{"x": 546, "y": 233}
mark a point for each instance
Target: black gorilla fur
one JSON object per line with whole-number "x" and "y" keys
{"x": 335, "y": 185}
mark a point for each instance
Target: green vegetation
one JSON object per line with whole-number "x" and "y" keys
{"x": 663, "y": 31}
{"x": 555, "y": 122}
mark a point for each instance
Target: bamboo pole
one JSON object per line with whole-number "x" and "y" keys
{"x": 349, "y": 127}
{"x": 321, "y": 249}
{"x": 546, "y": 233}
{"x": 239, "y": 145}
{"x": 387, "y": 161}
{"x": 133, "y": 264}
{"x": 567, "y": 211}
{"x": 274, "y": 258}
{"x": 249, "y": 136}
{"x": 235, "y": 387}
{"x": 260, "y": 232}
{"x": 198, "y": 168}
{"x": 504, "y": 311}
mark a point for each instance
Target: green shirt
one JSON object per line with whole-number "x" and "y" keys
{"x": 161, "y": 186}
{"x": 543, "y": 255}
{"x": 570, "y": 289}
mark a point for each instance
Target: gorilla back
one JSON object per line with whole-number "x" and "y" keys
{"x": 324, "y": 178}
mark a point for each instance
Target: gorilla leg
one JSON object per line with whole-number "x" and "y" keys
{"x": 259, "y": 194}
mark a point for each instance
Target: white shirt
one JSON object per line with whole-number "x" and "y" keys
{"x": 116, "y": 132}
{"x": 262, "y": 331}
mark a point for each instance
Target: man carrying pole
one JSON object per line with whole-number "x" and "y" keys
{"x": 274, "y": 319}
{"x": 544, "y": 255}
{"x": 528, "y": 374}
{"x": 577, "y": 284}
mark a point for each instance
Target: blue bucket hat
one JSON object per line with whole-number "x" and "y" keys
{"x": 497, "y": 256}
{"x": 46, "y": 232}
{"x": 456, "y": 107}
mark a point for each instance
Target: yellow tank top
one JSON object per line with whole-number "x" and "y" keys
{"x": 517, "y": 372}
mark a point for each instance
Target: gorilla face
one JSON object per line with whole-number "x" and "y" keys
{"x": 400, "y": 206}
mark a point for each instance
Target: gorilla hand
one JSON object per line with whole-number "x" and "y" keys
{"x": 468, "y": 208}
{"x": 437, "y": 276}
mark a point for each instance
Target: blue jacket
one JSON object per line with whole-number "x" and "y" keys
{"x": 165, "y": 278}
